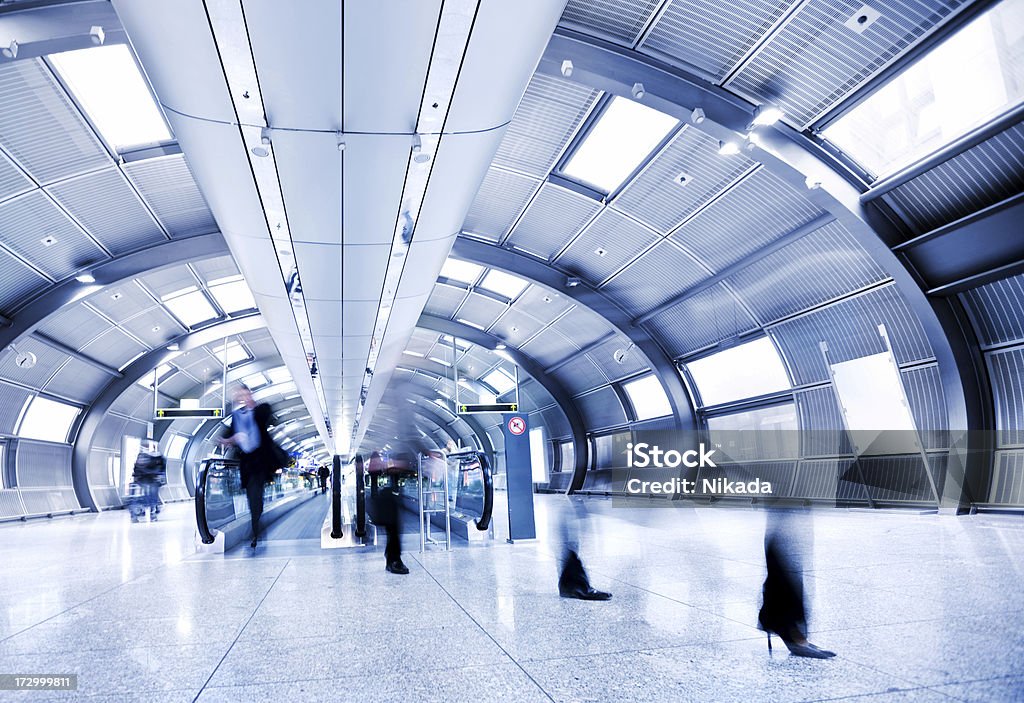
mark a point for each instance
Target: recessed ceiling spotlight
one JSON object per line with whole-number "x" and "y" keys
{"x": 567, "y": 68}
{"x": 175, "y": 347}
{"x": 85, "y": 278}
{"x": 728, "y": 148}
{"x": 500, "y": 346}
{"x": 97, "y": 35}
{"x": 683, "y": 179}
{"x": 638, "y": 91}
{"x": 11, "y": 50}
{"x": 48, "y": 241}
{"x": 546, "y": 298}
{"x": 863, "y": 18}
{"x": 572, "y": 281}
{"x": 697, "y": 116}
{"x": 156, "y": 328}
{"x": 766, "y": 115}
{"x": 116, "y": 295}
{"x": 600, "y": 251}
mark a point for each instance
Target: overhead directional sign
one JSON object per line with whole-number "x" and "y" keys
{"x": 179, "y": 413}
{"x": 470, "y": 408}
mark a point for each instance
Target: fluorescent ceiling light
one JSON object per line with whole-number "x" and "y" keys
{"x": 234, "y": 296}
{"x": 503, "y": 284}
{"x": 235, "y": 353}
{"x": 279, "y": 374}
{"x": 108, "y": 85}
{"x": 625, "y": 134}
{"x": 459, "y": 343}
{"x": 410, "y": 352}
{"x": 464, "y": 321}
{"x": 499, "y": 381}
{"x": 191, "y": 308}
{"x": 462, "y": 271}
{"x": 439, "y": 361}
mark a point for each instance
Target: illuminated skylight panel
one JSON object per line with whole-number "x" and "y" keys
{"x": 190, "y": 308}
{"x": 503, "y": 284}
{"x": 647, "y": 398}
{"x": 233, "y": 296}
{"x": 462, "y": 271}
{"x": 744, "y": 371}
{"x": 176, "y": 446}
{"x": 255, "y": 380}
{"x": 499, "y": 380}
{"x": 235, "y": 353}
{"x": 108, "y": 85}
{"x": 969, "y": 78}
{"x": 279, "y": 374}
{"x": 625, "y": 134}
{"x": 47, "y": 420}
{"x": 162, "y": 371}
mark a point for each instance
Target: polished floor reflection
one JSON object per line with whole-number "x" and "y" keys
{"x": 918, "y": 607}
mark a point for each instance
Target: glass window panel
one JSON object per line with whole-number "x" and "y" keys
{"x": 255, "y": 380}
{"x": 108, "y": 85}
{"x": 966, "y": 80}
{"x": 279, "y": 374}
{"x": 625, "y": 134}
{"x": 235, "y": 353}
{"x": 648, "y": 398}
{"x": 499, "y": 380}
{"x": 463, "y": 271}
{"x": 162, "y": 371}
{"x": 191, "y": 308}
{"x": 233, "y": 297}
{"x": 762, "y": 434}
{"x": 176, "y": 446}
{"x": 539, "y": 455}
{"x": 567, "y": 462}
{"x": 610, "y": 450}
{"x": 503, "y": 284}
{"x": 744, "y": 371}
{"x": 48, "y": 420}
{"x": 132, "y": 446}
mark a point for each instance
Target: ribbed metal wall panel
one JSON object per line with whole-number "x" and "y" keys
{"x": 114, "y": 348}
{"x": 759, "y": 210}
{"x": 75, "y": 325}
{"x": 12, "y": 401}
{"x": 45, "y": 133}
{"x": 109, "y": 433}
{"x": 820, "y": 480}
{"x": 660, "y": 274}
{"x": 169, "y": 280}
{"x": 12, "y": 180}
{"x": 43, "y": 501}
{"x": 542, "y": 303}
{"x": 154, "y": 327}
{"x": 481, "y": 309}
{"x": 601, "y": 409}
{"x": 27, "y": 220}
{"x": 656, "y": 199}
{"x": 603, "y": 356}
{"x": 1008, "y": 479}
{"x": 712, "y": 36}
{"x": 214, "y": 269}
{"x": 79, "y": 381}
{"x": 547, "y": 116}
{"x": 923, "y": 386}
{"x": 129, "y": 401}
{"x": 900, "y": 478}
{"x": 618, "y": 20}
{"x": 552, "y": 219}
{"x": 701, "y": 320}
{"x": 1006, "y": 372}
{"x": 444, "y": 300}
{"x": 168, "y": 186}
{"x": 18, "y": 283}
{"x": 10, "y": 504}
{"x": 48, "y": 360}
{"x": 549, "y": 347}
{"x": 582, "y": 326}
{"x": 122, "y": 302}
{"x": 106, "y": 206}
{"x": 42, "y": 464}
{"x": 556, "y": 423}
{"x": 850, "y": 327}
{"x": 621, "y": 238}
{"x": 977, "y": 178}
{"x": 996, "y": 310}
{"x": 822, "y": 432}
{"x": 822, "y": 266}
{"x": 502, "y": 196}
{"x": 815, "y": 60}
{"x": 781, "y": 474}
{"x": 516, "y": 327}
{"x": 580, "y": 374}
{"x": 107, "y": 497}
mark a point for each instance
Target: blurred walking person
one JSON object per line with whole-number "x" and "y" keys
{"x": 573, "y": 581}
{"x": 323, "y": 473}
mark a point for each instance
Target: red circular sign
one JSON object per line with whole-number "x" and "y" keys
{"x": 517, "y": 425}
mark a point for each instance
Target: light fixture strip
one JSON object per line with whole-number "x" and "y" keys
{"x": 231, "y": 35}
{"x": 453, "y": 31}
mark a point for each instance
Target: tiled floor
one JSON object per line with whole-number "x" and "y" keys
{"x": 918, "y": 607}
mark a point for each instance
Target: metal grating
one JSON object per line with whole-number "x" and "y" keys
{"x": 48, "y": 360}
{"x": 551, "y": 220}
{"x": 12, "y": 401}
{"x": 822, "y": 432}
{"x": 18, "y": 283}
{"x": 109, "y": 209}
{"x": 900, "y": 479}
{"x": 582, "y": 326}
{"x": 656, "y": 199}
{"x": 10, "y": 503}
{"x": 79, "y": 381}
{"x": 153, "y": 328}
{"x": 45, "y": 133}
{"x": 709, "y": 36}
{"x": 923, "y": 386}
{"x": 659, "y": 275}
{"x": 27, "y": 220}
{"x": 982, "y": 176}
{"x": 43, "y": 501}
{"x": 75, "y": 325}
{"x": 603, "y": 355}
{"x": 547, "y": 116}
{"x": 620, "y": 238}
{"x": 850, "y": 328}
{"x": 215, "y": 269}
{"x": 820, "y": 480}
{"x": 109, "y": 433}
{"x": 556, "y": 423}
{"x": 1006, "y": 371}
{"x": 501, "y": 198}
{"x": 601, "y": 409}
{"x": 114, "y": 348}
{"x": 542, "y": 303}
{"x": 996, "y": 310}
{"x": 822, "y": 266}
{"x": 759, "y": 210}
{"x": 169, "y": 280}
{"x": 1008, "y": 479}
{"x": 12, "y": 180}
{"x": 709, "y": 317}
{"x": 580, "y": 375}
{"x": 618, "y": 20}
{"x": 481, "y": 310}
{"x": 515, "y": 327}
{"x": 549, "y": 347}
{"x": 42, "y": 464}
{"x": 815, "y": 60}
{"x": 444, "y": 300}
{"x": 168, "y": 186}
{"x": 122, "y": 302}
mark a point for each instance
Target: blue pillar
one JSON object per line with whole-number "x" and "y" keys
{"x": 518, "y": 477}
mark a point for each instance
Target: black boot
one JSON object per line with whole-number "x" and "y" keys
{"x": 574, "y": 583}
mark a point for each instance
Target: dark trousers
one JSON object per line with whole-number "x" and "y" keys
{"x": 782, "y": 609}
{"x": 254, "y": 492}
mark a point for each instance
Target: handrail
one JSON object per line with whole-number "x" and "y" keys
{"x": 336, "y": 532}
{"x": 360, "y": 498}
{"x": 485, "y": 515}
{"x": 204, "y": 470}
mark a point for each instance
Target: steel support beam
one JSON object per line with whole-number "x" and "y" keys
{"x": 562, "y": 397}
{"x": 540, "y": 272}
{"x": 835, "y": 188}
{"x": 135, "y": 371}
